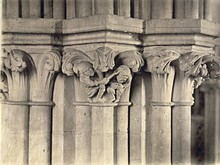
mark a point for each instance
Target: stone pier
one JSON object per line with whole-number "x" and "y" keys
{"x": 107, "y": 81}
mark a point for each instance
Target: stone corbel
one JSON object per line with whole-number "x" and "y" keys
{"x": 106, "y": 75}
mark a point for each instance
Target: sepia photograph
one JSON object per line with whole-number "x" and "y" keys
{"x": 110, "y": 82}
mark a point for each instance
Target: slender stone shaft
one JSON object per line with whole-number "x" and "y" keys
{"x": 25, "y": 8}
{"x": 208, "y": 10}
{"x": 4, "y": 9}
{"x": 122, "y": 135}
{"x": 40, "y": 135}
{"x": 58, "y": 9}
{"x": 159, "y": 120}
{"x": 162, "y": 9}
{"x": 181, "y": 119}
{"x": 14, "y": 139}
{"x": 83, "y": 8}
{"x": 145, "y": 7}
{"x": 122, "y": 8}
{"x": 104, "y": 6}
{"x": 179, "y": 9}
{"x": 137, "y": 121}
{"x": 83, "y": 135}
{"x": 70, "y": 9}
{"x": 12, "y": 9}
{"x": 102, "y": 135}
{"x": 48, "y": 11}
{"x": 35, "y": 8}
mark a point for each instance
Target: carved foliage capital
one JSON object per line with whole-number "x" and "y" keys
{"x": 159, "y": 61}
{"x": 196, "y": 65}
{"x": 105, "y": 75}
{"x": 16, "y": 68}
{"x": 49, "y": 66}
{"x": 16, "y": 61}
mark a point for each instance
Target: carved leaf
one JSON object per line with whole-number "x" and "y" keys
{"x": 159, "y": 62}
{"x": 104, "y": 59}
{"x": 17, "y": 60}
{"x": 193, "y": 63}
{"x": 71, "y": 61}
{"x": 49, "y": 64}
{"x": 50, "y": 61}
{"x": 132, "y": 59}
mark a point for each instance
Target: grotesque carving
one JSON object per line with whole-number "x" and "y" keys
{"x": 103, "y": 80}
{"x": 119, "y": 83}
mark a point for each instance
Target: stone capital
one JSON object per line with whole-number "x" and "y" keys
{"x": 48, "y": 67}
{"x": 17, "y": 67}
{"x": 106, "y": 74}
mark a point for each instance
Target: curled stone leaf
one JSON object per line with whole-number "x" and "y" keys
{"x": 159, "y": 62}
{"x": 71, "y": 61}
{"x": 51, "y": 61}
{"x": 132, "y": 59}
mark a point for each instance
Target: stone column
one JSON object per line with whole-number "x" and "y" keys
{"x": 181, "y": 112}
{"x": 159, "y": 116}
{"x": 181, "y": 119}
{"x": 40, "y": 112}
{"x": 105, "y": 78}
{"x": 102, "y": 134}
{"x": 137, "y": 123}
{"x": 189, "y": 75}
{"x": 17, "y": 66}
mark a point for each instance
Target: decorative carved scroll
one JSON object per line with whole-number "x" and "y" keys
{"x": 15, "y": 65}
{"x": 104, "y": 76}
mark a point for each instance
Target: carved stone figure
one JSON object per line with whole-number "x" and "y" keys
{"x": 103, "y": 80}
{"x": 119, "y": 83}
{"x": 94, "y": 86}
